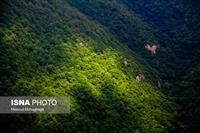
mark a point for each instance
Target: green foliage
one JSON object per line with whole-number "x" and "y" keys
{"x": 177, "y": 28}
{"x": 189, "y": 97}
{"x": 119, "y": 20}
{"x": 51, "y": 48}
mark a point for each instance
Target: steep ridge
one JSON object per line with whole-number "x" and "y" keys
{"x": 51, "y": 48}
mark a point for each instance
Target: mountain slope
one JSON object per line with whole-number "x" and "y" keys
{"x": 188, "y": 99}
{"x": 51, "y": 48}
{"x": 119, "y": 20}
{"x": 177, "y": 29}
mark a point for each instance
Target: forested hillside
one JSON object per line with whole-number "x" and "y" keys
{"x": 177, "y": 29}
{"x": 188, "y": 99}
{"x": 50, "y": 48}
{"x": 95, "y": 52}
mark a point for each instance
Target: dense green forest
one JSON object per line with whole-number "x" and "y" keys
{"x": 93, "y": 52}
